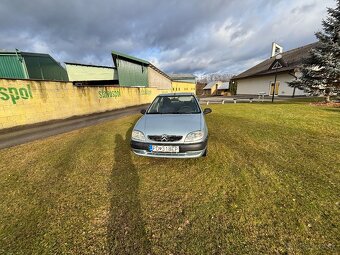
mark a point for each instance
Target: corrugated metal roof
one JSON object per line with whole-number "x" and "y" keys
{"x": 224, "y": 85}
{"x": 44, "y": 67}
{"x": 211, "y": 84}
{"x": 116, "y": 54}
{"x": 184, "y": 81}
{"x": 26, "y": 65}
{"x": 182, "y": 76}
{"x": 11, "y": 66}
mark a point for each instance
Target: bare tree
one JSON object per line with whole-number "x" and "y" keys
{"x": 215, "y": 77}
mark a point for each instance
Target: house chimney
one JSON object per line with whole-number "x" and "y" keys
{"x": 276, "y": 49}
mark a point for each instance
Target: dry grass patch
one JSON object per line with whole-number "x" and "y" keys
{"x": 270, "y": 184}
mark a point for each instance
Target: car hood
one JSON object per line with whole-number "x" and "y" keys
{"x": 170, "y": 124}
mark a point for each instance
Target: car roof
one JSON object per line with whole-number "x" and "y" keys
{"x": 177, "y": 94}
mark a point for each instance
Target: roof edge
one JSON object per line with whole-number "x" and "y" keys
{"x": 263, "y": 74}
{"x": 159, "y": 71}
{"x": 180, "y": 81}
{"x": 128, "y": 57}
{"x": 79, "y": 64}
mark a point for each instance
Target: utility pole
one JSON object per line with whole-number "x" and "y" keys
{"x": 277, "y": 57}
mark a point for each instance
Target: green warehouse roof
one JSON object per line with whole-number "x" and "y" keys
{"x": 119, "y": 55}
{"x": 26, "y": 65}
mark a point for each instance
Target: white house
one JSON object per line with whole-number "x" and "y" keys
{"x": 260, "y": 78}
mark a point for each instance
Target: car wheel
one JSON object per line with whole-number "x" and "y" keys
{"x": 205, "y": 152}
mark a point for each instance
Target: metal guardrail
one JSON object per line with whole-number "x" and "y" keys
{"x": 234, "y": 100}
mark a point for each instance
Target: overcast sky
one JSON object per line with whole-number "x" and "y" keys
{"x": 195, "y": 36}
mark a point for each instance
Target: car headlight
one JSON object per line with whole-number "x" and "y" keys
{"x": 138, "y": 135}
{"x": 194, "y": 136}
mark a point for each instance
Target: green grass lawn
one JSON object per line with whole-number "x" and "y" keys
{"x": 270, "y": 185}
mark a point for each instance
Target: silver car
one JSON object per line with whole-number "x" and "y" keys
{"x": 172, "y": 127}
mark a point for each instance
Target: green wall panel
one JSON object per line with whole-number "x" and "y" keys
{"x": 131, "y": 74}
{"x": 44, "y": 68}
{"x": 11, "y": 67}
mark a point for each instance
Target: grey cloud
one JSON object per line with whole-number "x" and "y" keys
{"x": 186, "y": 36}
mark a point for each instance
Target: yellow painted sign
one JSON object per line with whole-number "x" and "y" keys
{"x": 109, "y": 93}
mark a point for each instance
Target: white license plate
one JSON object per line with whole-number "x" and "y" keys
{"x": 164, "y": 148}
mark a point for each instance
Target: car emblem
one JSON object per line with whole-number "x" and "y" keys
{"x": 164, "y": 138}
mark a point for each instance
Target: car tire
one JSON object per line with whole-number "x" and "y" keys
{"x": 205, "y": 152}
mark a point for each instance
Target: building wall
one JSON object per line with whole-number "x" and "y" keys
{"x": 213, "y": 90}
{"x": 178, "y": 87}
{"x": 90, "y": 73}
{"x": 25, "y": 102}
{"x": 157, "y": 80}
{"x": 131, "y": 74}
{"x": 252, "y": 86}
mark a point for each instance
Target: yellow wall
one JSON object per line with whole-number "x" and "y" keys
{"x": 213, "y": 90}
{"x": 157, "y": 80}
{"x": 26, "y": 102}
{"x": 180, "y": 86}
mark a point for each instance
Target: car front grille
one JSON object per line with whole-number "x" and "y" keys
{"x": 163, "y": 138}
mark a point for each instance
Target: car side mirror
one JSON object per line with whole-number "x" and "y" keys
{"x": 207, "y": 110}
{"x": 143, "y": 111}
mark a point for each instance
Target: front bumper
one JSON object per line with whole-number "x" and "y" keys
{"x": 193, "y": 150}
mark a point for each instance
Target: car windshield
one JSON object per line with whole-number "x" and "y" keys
{"x": 174, "y": 105}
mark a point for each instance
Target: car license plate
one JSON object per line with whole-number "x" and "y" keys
{"x": 164, "y": 148}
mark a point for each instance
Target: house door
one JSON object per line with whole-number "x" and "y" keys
{"x": 276, "y": 88}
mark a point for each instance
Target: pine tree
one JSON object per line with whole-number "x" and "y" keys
{"x": 322, "y": 69}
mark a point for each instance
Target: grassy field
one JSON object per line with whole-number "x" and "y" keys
{"x": 270, "y": 185}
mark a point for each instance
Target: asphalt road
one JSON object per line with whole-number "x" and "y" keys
{"x": 30, "y": 133}
{"x": 22, "y": 135}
